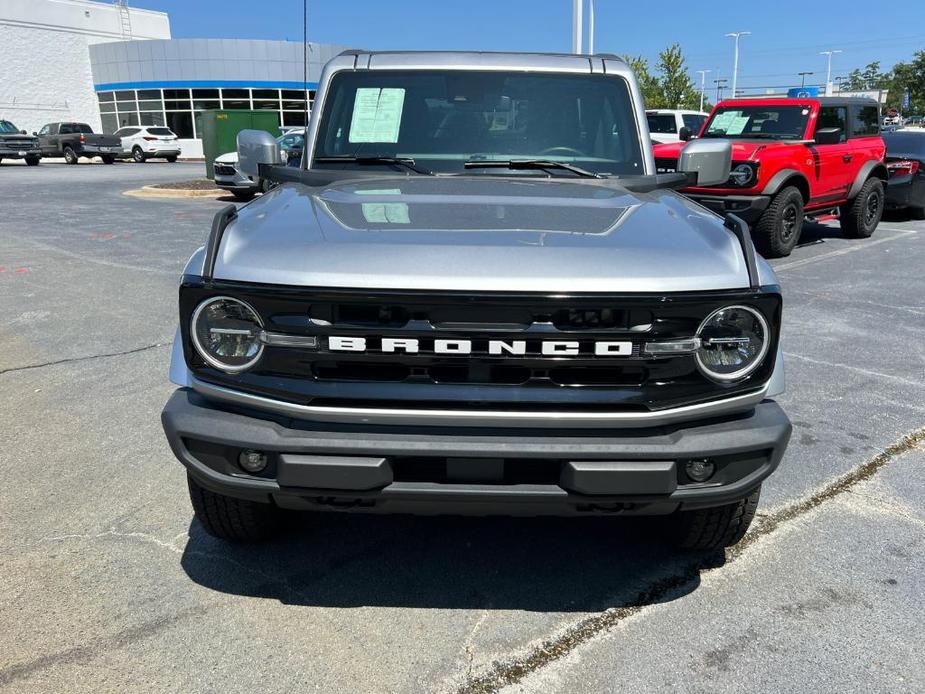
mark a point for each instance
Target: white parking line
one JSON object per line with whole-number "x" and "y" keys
{"x": 857, "y": 369}
{"x": 843, "y": 251}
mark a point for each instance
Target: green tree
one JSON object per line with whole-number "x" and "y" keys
{"x": 909, "y": 76}
{"x": 869, "y": 78}
{"x": 677, "y": 88}
{"x": 651, "y": 90}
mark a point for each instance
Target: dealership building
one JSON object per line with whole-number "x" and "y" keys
{"x": 112, "y": 65}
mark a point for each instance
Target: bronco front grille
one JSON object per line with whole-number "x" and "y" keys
{"x": 528, "y": 379}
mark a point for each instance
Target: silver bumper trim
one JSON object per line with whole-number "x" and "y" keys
{"x": 480, "y": 418}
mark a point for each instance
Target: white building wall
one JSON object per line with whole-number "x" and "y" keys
{"x": 46, "y": 56}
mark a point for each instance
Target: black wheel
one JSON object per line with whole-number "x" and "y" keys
{"x": 234, "y": 520}
{"x": 138, "y": 156}
{"x": 244, "y": 195}
{"x": 108, "y": 158}
{"x": 713, "y": 528}
{"x": 32, "y": 161}
{"x": 70, "y": 156}
{"x": 860, "y": 217}
{"x": 778, "y": 229}
{"x": 266, "y": 186}
{"x": 171, "y": 159}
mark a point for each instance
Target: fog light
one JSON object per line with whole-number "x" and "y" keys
{"x": 252, "y": 461}
{"x": 700, "y": 470}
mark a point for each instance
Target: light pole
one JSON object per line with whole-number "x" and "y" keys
{"x": 735, "y": 61}
{"x": 591, "y": 27}
{"x": 703, "y": 87}
{"x": 577, "y": 25}
{"x": 803, "y": 78}
{"x": 828, "y": 72}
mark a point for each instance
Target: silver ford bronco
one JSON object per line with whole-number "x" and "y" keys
{"x": 476, "y": 296}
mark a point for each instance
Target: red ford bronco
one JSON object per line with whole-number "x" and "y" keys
{"x": 794, "y": 157}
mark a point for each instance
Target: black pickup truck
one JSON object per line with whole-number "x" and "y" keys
{"x": 16, "y": 144}
{"x": 75, "y": 140}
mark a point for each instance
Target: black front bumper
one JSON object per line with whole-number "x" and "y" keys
{"x": 748, "y": 208}
{"x": 483, "y": 471}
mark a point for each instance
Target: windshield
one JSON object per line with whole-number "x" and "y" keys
{"x": 443, "y": 118}
{"x": 6, "y": 127}
{"x": 661, "y": 123}
{"x": 758, "y": 121}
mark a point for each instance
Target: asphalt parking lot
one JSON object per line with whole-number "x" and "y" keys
{"x": 106, "y": 585}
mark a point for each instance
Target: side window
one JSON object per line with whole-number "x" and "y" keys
{"x": 46, "y": 129}
{"x": 65, "y": 129}
{"x": 834, "y": 117}
{"x": 865, "y": 121}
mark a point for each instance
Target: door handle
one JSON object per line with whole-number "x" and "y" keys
{"x": 847, "y": 158}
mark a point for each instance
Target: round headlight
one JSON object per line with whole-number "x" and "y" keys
{"x": 742, "y": 174}
{"x": 226, "y": 333}
{"x": 733, "y": 341}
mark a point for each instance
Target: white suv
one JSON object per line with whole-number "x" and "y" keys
{"x": 665, "y": 124}
{"x": 143, "y": 142}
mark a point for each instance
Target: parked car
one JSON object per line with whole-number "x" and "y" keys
{"x": 549, "y": 330}
{"x": 792, "y": 157}
{"x": 905, "y": 160}
{"x": 17, "y": 144}
{"x": 75, "y": 140}
{"x": 668, "y": 125}
{"x": 227, "y": 176}
{"x": 143, "y": 142}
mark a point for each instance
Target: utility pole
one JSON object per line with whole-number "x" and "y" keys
{"x": 703, "y": 87}
{"x": 591, "y": 27}
{"x": 803, "y": 78}
{"x": 828, "y": 72}
{"x": 735, "y": 61}
{"x": 720, "y": 85}
{"x": 577, "y": 25}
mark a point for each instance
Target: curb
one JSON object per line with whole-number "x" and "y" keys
{"x": 152, "y": 192}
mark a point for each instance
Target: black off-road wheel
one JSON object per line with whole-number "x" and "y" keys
{"x": 32, "y": 161}
{"x": 713, "y": 528}
{"x": 860, "y": 217}
{"x": 230, "y": 519}
{"x": 70, "y": 156}
{"x": 138, "y": 156}
{"x": 778, "y": 229}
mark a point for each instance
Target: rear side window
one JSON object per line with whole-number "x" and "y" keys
{"x": 865, "y": 121}
{"x": 662, "y": 123}
{"x": 693, "y": 122}
{"x": 160, "y": 131}
{"x": 833, "y": 117}
{"x": 127, "y": 132}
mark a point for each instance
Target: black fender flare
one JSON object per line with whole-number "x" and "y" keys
{"x": 870, "y": 168}
{"x": 784, "y": 176}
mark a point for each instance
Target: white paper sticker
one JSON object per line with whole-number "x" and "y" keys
{"x": 376, "y": 114}
{"x": 721, "y": 122}
{"x": 386, "y": 213}
{"x": 737, "y": 125}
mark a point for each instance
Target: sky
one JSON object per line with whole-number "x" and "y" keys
{"x": 786, "y": 38}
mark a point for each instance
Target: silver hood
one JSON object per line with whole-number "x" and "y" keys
{"x": 481, "y": 233}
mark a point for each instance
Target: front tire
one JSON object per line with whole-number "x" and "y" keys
{"x": 713, "y": 528}
{"x": 231, "y": 519}
{"x": 70, "y": 156}
{"x": 171, "y": 160}
{"x": 778, "y": 229}
{"x": 32, "y": 161}
{"x": 138, "y": 156}
{"x": 860, "y": 217}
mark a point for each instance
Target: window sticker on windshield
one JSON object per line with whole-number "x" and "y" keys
{"x": 721, "y": 122}
{"x": 379, "y": 191}
{"x": 376, "y": 114}
{"x": 386, "y": 213}
{"x": 737, "y": 125}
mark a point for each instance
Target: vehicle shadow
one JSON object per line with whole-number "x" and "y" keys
{"x": 531, "y": 564}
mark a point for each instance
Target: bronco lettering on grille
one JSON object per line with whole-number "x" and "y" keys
{"x": 548, "y": 348}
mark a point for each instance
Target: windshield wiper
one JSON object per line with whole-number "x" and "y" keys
{"x": 399, "y": 161}
{"x": 529, "y": 164}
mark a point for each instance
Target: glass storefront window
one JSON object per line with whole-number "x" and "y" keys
{"x": 200, "y": 105}
{"x": 125, "y": 95}
{"x": 154, "y": 118}
{"x": 105, "y": 97}
{"x": 181, "y": 123}
{"x": 293, "y": 118}
{"x": 151, "y": 105}
{"x": 205, "y": 93}
{"x": 127, "y": 119}
{"x": 149, "y": 94}
{"x": 265, "y": 93}
{"x": 236, "y": 94}
{"x": 233, "y": 103}
{"x": 110, "y": 123}
{"x": 266, "y": 105}
{"x": 176, "y": 93}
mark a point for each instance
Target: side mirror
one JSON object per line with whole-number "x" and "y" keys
{"x": 710, "y": 160}
{"x": 35, "y": 133}
{"x": 828, "y": 136}
{"x": 256, "y": 147}
{"x": 684, "y": 134}
{"x": 23, "y": 132}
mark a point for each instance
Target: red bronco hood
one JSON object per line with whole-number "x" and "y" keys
{"x": 742, "y": 150}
